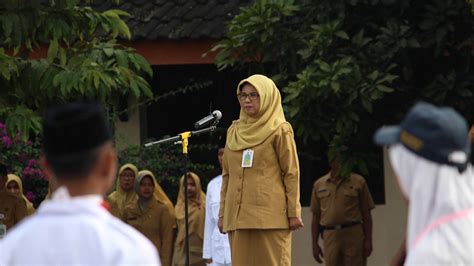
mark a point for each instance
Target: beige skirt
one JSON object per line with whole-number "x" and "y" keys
{"x": 195, "y": 253}
{"x": 260, "y": 247}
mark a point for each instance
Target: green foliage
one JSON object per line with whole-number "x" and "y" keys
{"x": 342, "y": 65}
{"x": 84, "y": 60}
{"x": 167, "y": 163}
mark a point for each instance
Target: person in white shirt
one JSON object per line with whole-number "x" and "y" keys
{"x": 429, "y": 152}
{"x": 74, "y": 227}
{"x": 216, "y": 248}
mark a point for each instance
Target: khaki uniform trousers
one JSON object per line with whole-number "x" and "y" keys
{"x": 260, "y": 247}
{"x": 344, "y": 247}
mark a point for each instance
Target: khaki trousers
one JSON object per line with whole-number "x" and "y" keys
{"x": 344, "y": 246}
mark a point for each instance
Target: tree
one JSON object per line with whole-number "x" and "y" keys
{"x": 84, "y": 59}
{"x": 347, "y": 67}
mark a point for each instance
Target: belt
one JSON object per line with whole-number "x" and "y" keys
{"x": 340, "y": 226}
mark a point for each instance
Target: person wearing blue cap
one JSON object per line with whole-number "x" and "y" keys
{"x": 74, "y": 227}
{"x": 429, "y": 152}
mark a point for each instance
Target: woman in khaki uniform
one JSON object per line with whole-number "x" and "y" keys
{"x": 260, "y": 180}
{"x": 124, "y": 193}
{"x": 12, "y": 207}
{"x": 196, "y": 215}
{"x": 15, "y": 186}
{"x": 151, "y": 216}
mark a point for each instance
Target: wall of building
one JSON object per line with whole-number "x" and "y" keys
{"x": 128, "y": 133}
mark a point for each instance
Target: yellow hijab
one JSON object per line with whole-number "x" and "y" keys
{"x": 29, "y": 206}
{"x": 196, "y": 210}
{"x": 158, "y": 193}
{"x": 249, "y": 131}
{"x": 120, "y": 197}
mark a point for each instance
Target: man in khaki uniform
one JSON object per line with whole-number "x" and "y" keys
{"x": 341, "y": 213}
{"x": 12, "y": 207}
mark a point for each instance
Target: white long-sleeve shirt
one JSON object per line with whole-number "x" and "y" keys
{"x": 440, "y": 229}
{"x": 75, "y": 231}
{"x": 216, "y": 245}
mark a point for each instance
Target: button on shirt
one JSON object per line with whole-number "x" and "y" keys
{"x": 75, "y": 231}
{"x": 216, "y": 245}
{"x": 340, "y": 202}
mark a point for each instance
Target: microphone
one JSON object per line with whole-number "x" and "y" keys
{"x": 214, "y": 117}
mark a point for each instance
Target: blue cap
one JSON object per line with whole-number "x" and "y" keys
{"x": 438, "y": 134}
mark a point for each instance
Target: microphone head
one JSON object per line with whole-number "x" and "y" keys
{"x": 217, "y": 114}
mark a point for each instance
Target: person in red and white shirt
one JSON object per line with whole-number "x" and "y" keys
{"x": 74, "y": 227}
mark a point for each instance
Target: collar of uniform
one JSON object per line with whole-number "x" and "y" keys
{"x": 328, "y": 178}
{"x": 63, "y": 203}
{"x": 62, "y": 194}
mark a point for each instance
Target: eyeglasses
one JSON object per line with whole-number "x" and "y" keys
{"x": 127, "y": 176}
{"x": 252, "y": 96}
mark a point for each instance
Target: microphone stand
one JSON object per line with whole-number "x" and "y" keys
{"x": 183, "y": 139}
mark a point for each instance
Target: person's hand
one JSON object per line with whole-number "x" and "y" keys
{"x": 208, "y": 261}
{"x": 295, "y": 223}
{"x": 220, "y": 224}
{"x": 399, "y": 258}
{"x": 318, "y": 253}
{"x": 367, "y": 247}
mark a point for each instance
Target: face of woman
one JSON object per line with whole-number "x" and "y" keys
{"x": 191, "y": 187}
{"x": 13, "y": 187}
{"x": 147, "y": 187}
{"x": 126, "y": 179}
{"x": 249, "y": 100}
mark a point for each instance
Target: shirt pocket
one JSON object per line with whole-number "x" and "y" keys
{"x": 323, "y": 197}
{"x": 351, "y": 203}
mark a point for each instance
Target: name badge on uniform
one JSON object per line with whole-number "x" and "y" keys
{"x": 247, "y": 158}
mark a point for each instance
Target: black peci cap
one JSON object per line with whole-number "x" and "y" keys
{"x": 74, "y": 128}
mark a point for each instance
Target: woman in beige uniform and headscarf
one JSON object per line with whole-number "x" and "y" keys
{"x": 151, "y": 215}
{"x": 260, "y": 180}
{"x": 196, "y": 212}
{"x": 15, "y": 186}
{"x": 124, "y": 193}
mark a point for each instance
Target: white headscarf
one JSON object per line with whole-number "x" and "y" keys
{"x": 435, "y": 192}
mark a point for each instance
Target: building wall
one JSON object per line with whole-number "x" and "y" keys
{"x": 389, "y": 222}
{"x": 128, "y": 133}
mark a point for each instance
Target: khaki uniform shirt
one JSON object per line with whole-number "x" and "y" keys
{"x": 12, "y": 207}
{"x": 340, "y": 203}
{"x": 266, "y": 194}
{"x": 156, "y": 223}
